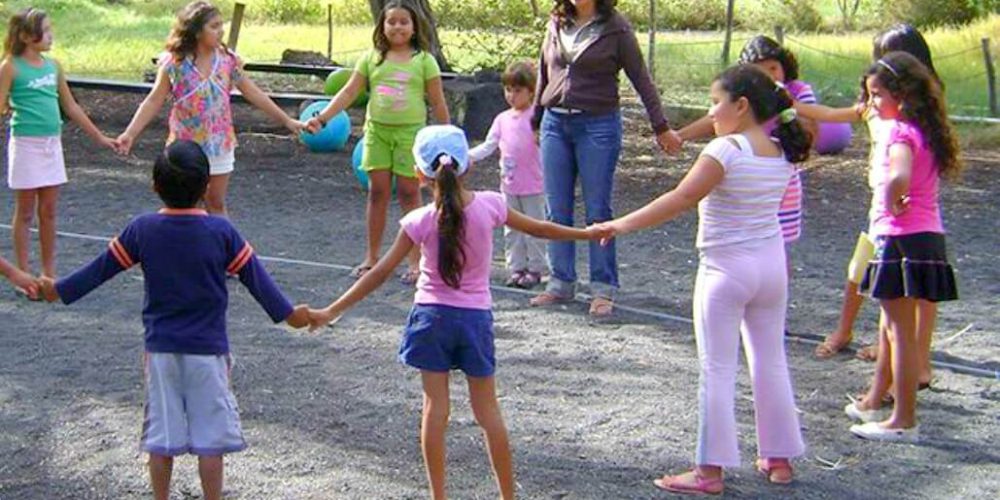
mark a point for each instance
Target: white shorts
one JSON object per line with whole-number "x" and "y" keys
{"x": 222, "y": 164}
{"x": 189, "y": 406}
{"x": 35, "y": 162}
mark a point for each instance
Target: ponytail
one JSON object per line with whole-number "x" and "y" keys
{"x": 768, "y": 100}
{"x": 793, "y": 138}
{"x": 451, "y": 227}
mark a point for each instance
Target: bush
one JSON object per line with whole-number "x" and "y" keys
{"x": 933, "y": 13}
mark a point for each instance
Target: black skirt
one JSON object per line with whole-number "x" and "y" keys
{"x": 911, "y": 265}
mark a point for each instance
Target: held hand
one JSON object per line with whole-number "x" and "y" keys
{"x": 670, "y": 141}
{"x": 899, "y": 205}
{"x": 604, "y": 232}
{"x": 123, "y": 144}
{"x": 299, "y": 317}
{"x": 295, "y": 126}
{"x": 48, "y": 288}
{"x": 319, "y": 318}
{"x": 313, "y": 125}
{"x": 108, "y": 143}
{"x": 26, "y": 282}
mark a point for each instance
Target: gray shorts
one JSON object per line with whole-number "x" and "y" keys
{"x": 189, "y": 406}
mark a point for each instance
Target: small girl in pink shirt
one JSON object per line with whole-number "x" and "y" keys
{"x": 520, "y": 172}
{"x": 451, "y": 323}
{"x": 910, "y": 266}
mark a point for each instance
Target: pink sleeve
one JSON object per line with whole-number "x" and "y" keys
{"x": 499, "y": 206}
{"x": 904, "y": 133}
{"x": 415, "y": 223}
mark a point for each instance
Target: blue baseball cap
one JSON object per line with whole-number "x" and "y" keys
{"x": 436, "y": 140}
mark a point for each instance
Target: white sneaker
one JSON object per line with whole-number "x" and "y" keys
{"x": 875, "y": 432}
{"x": 856, "y": 413}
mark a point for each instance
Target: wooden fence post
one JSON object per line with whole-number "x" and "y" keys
{"x": 652, "y": 39}
{"x": 329, "y": 31}
{"x": 234, "y": 27}
{"x": 779, "y": 34}
{"x": 729, "y": 33}
{"x": 991, "y": 77}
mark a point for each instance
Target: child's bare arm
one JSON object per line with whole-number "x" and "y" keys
{"x": 698, "y": 129}
{"x": 340, "y": 102}
{"x": 545, "y": 229}
{"x": 366, "y": 285}
{"x": 6, "y": 80}
{"x": 254, "y": 95}
{"x": 148, "y": 110}
{"x": 76, "y": 112}
{"x": 900, "y": 171}
{"x": 435, "y": 94}
{"x": 18, "y": 277}
{"x": 821, "y": 113}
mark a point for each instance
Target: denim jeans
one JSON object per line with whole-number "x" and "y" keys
{"x": 585, "y": 146}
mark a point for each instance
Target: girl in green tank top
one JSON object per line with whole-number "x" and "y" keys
{"x": 34, "y": 88}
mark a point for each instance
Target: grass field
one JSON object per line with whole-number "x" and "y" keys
{"x": 115, "y": 41}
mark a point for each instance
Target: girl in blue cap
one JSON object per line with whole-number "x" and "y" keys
{"x": 451, "y": 323}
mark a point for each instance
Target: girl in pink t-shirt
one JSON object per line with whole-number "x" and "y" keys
{"x": 520, "y": 173}
{"x": 910, "y": 264}
{"x": 451, "y": 323}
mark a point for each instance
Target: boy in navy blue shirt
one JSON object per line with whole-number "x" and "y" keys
{"x": 185, "y": 255}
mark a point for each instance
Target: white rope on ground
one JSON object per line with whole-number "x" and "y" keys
{"x": 581, "y": 297}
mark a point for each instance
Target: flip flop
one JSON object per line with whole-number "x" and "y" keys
{"x": 768, "y": 466}
{"x": 680, "y": 484}
{"x": 601, "y": 307}
{"x": 409, "y": 277}
{"x": 360, "y": 270}
{"x": 868, "y": 353}
{"x": 529, "y": 280}
{"x": 514, "y": 279}
{"x": 829, "y": 349}
{"x": 548, "y": 299}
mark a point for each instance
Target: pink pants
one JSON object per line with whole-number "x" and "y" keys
{"x": 743, "y": 289}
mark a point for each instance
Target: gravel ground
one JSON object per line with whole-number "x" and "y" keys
{"x": 594, "y": 410}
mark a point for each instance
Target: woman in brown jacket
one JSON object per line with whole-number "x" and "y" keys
{"x": 577, "y": 110}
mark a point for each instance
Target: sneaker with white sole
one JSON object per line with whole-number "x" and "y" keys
{"x": 875, "y": 432}
{"x": 856, "y": 413}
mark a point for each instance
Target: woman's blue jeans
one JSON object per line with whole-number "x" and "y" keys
{"x": 587, "y": 147}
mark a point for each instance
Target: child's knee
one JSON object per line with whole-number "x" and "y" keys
{"x": 436, "y": 412}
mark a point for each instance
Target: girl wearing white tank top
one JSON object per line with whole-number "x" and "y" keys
{"x": 737, "y": 183}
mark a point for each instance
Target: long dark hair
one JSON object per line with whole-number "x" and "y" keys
{"x": 767, "y": 100}
{"x": 419, "y": 41}
{"x": 921, "y": 103}
{"x": 451, "y": 221}
{"x": 183, "y": 39}
{"x": 904, "y": 38}
{"x": 26, "y": 22}
{"x": 762, "y": 48}
{"x": 564, "y": 11}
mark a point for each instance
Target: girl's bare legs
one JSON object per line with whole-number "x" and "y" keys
{"x": 882, "y": 380}
{"x": 848, "y": 314}
{"x": 48, "y": 200}
{"x": 433, "y": 426}
{"x": 408, "y": 194}
{"x": 210, "y": 471}
{"x": 379, "y": 194}
{"x": 215, "y": 197}
{"x": 901, "y": 318}
{"x": 483, "y": 397}
{"x": 926, "y": 321}
{"x": 24, "y": 216}
{"x": 160, "y": 469}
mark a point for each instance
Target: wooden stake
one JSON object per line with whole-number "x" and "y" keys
{"x": 779, "y": 34}
{"x": 991, "y": 77}
{"x": 329, "y": 31}
{"x": 729, "y": 32}
{"x": 652, "y": 39}
{"x": 234, "y": 26}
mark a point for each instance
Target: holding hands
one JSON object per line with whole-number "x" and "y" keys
{"x": 669, "y": 141}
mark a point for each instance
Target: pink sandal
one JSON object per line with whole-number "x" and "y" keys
{"x": 683, "y": 484}
{"x": 769, "y": 466}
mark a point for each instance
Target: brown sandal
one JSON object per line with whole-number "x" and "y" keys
{"x": 868, "y": 353}
{"x": 601, "y": 307}
{"x": 829, "y": 349}
{"x": 772, "y": 468}
{"x": 548, "y": 299}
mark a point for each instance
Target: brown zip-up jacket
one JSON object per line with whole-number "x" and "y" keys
{"x": 590, "y": 83}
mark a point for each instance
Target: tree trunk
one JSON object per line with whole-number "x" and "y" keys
{"x": 427, "y": 24}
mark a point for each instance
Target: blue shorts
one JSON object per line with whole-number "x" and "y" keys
{"x": 440, "y": 338}
{"x": 189, "y": 406}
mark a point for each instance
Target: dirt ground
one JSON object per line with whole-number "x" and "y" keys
{"x": 595, "y": 411}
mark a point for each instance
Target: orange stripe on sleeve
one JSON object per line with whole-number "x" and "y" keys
{"x": 120, "y": 254}
{"x": 241, "y": 259}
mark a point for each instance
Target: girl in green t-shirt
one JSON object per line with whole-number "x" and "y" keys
{"x": 34, "y": 87}
{"x": 402, "y": 77}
